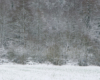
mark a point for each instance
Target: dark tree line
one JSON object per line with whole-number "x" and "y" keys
{"x": 56, "y": 31}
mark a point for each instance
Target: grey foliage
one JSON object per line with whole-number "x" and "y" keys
{"x": 51, "y": 30}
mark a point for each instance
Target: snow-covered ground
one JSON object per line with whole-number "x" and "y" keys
{"x": 48, "y": 72}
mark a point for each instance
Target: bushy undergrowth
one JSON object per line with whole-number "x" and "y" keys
{"x": 79, "y": 49}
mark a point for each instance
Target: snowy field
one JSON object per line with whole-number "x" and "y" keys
{"x": 48, "y": 72}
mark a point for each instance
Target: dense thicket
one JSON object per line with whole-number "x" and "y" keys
{"x": 56, "y": 31}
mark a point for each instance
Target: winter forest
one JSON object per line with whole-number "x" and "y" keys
{"x": 50, "y": 31}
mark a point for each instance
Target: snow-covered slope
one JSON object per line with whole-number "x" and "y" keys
{"x": 48, "y": 72}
